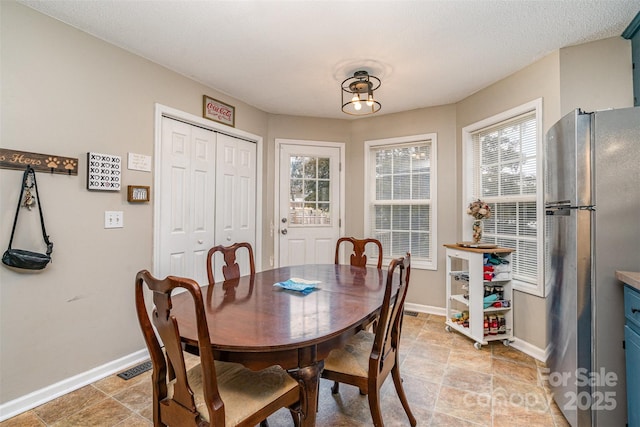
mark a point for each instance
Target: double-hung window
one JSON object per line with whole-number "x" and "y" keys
{"x": 502, "y": 167}
{"x": 400, "y": 197}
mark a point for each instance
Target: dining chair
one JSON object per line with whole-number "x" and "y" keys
{"x": 368, "y": 357}
{"x": 231, "y": 269}
{"x": 211, "y": 393}
{"x": 358, "y": 256}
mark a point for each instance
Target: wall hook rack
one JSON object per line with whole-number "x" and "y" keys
{"x": 18, "y": 160}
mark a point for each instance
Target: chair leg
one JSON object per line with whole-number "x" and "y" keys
{"x": 264, "y": 423}
{"x": 295, "y": 414}
{"x": 374, "y": 407}
{"x": 335, "y": 388}
{"x": 397, "y": 381}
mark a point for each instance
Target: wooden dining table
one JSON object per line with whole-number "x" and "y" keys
{"x": 258, "y": 325}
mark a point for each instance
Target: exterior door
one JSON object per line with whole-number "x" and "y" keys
{"x": 309, "y": 202}
{"x": 186, "y": 197}
{"x": 235, "y": 198}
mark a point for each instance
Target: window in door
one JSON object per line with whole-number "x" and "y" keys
{"x": 503, "y": 168}
{"x": 400, "y": 198}
{"x": 309, "y": 195}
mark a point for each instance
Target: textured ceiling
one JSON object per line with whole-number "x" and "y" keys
{"x": 289, "y": 57}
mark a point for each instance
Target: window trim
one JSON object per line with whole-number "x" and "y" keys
{"x": 467, "y": 182}
{"x": 369, "y": 193}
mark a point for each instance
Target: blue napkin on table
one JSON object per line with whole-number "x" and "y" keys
{"x": 298, "y": 285}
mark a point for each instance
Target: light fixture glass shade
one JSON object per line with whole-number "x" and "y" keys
{"x": 359, "y": 90}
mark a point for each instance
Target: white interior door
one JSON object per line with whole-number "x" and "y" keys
{"x": 309, "y": 203}
{"x": 185, "y": 196}
{"x": 235, "y": 197}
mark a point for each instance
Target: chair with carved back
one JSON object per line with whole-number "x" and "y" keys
{"x": 230, "y": 269}
{"x": 358, "y": 256}
{"x": 211, "y": 393}
{"x": 367, "y": 358}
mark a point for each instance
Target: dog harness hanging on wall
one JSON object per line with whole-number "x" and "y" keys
{"x": 20, "y": 258}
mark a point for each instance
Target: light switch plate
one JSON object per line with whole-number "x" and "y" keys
{"x": 113, "y": 219}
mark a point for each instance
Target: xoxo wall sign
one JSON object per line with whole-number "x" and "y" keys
{"x": 103, "y": 172}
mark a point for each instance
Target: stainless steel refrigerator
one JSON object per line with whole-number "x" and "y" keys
{"x": 592, "y": 228}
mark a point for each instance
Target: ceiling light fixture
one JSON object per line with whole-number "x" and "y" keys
{"x": 357, "y": 94}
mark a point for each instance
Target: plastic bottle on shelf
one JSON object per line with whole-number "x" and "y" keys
{"x": 493, "y": 325}
{"x": 502, "y": 324}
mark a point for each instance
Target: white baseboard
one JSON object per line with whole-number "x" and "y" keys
{"x": 428, "y": 309}
{"x": 533, "y": 351}
{"x": 34, "y": 399}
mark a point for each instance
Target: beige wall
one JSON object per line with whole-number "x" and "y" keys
{"x": 596, "y": 76}
{"x": 427, "y": 286}
{"x": 300, "y": 128}
{"x": 591, "y": 76}
{"x": 66, "y": 93}
{"x": 539, "y": 80}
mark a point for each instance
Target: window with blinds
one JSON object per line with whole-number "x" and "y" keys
{"x": 400, "y": 202}
{"x": 505, "y": 175}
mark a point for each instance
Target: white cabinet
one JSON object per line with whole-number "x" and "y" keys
{"x": 479, "y": 293}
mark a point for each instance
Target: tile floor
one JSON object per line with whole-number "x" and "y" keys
{"x": 448, "y": 383}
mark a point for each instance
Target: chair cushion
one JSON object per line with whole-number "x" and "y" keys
{"x": 353, "y": 358}
{"x": 243, "y": 391}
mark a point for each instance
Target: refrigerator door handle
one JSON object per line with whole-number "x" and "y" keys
{"x": 558, "y": 204}
{"x": 560, "y": 208}
{"x": 586, "y": 208}
{"x": 564, "y": 211}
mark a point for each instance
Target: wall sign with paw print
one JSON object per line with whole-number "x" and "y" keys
{"x": 19, "y": 160}
{"x": 104, "y": 172}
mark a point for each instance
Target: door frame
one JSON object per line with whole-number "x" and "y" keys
{"x": 172, "y": 113}
{"x": 276, "y": 208}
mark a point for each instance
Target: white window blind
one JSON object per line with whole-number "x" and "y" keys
{"x": 505, "y": 176}
{"x": 400, "y": 206}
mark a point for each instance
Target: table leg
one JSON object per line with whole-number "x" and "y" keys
{"x": 309, "y": 379}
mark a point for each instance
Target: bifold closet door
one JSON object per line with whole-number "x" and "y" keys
{"x": 207, "y": 197}
{"x": 187, "y": 199}
{"x": 235, "y": 197}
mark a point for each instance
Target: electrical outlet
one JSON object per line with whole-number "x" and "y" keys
{"x": 113, "y": 219}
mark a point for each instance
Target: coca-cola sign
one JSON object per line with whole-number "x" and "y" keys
{"x": 217, "y": 111}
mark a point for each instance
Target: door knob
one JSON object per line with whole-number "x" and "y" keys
{"x": 200, "y": 242}
{"x": 284, "y": 231}
{"x": 228, "y": 238}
